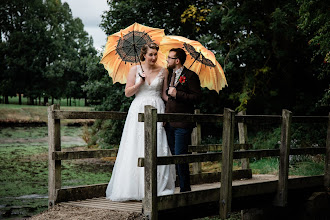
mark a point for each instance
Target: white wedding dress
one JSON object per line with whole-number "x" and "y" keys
{"x": 127, "y": 179}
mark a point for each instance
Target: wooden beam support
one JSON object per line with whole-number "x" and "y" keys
{"x": 215, "y": 147}
{"x": 327, "y": 159}
{"x": 73, "y": 155}
{"x": 196, "y": 139}
{"x": 281, "y": 198}
{"x": 216, "y": 156}
{"x": 227, "y": 163}
{"x": 89, "y": 115}
{"x": 183, "y": 117}
{"x": 243, "y": 139}
{"x": 238, "y": 191}
{"x": 54, "y": 166}
{"x": 150, "y": 168}
{"x": 81, "y": 192}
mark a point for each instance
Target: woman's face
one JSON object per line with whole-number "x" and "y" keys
{"x": 151, "y": 56}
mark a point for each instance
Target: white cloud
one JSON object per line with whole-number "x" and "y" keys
{"x": 90, "y": 13}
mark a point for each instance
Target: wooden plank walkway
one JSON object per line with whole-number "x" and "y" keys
{"x": 136, "y": 206}
{"x": 103, "y": 203}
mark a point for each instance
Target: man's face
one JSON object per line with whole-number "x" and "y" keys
{"x": 172, "y": 60}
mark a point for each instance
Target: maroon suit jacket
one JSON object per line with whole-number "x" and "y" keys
{"x": 188, "y": 94}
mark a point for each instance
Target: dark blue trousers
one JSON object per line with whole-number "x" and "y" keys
{"x": 178, "y": 140}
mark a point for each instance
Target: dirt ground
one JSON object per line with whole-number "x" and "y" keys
{"x": 65, "y": 212}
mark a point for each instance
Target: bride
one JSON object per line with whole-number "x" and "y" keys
{"x": 127, "y": 180}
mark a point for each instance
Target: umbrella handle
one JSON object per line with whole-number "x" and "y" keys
{"x": 141, "y": 76}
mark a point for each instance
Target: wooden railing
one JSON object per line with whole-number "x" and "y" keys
{"x": 151, "y": 203}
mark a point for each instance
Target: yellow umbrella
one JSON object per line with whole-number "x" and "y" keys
{"x": 199, "y": 59}
{"x": 123, "y": 48}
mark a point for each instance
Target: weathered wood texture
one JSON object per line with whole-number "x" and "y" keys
{"x": 215, "y": 147}
{"x": 216, "y": 156}
{"x": 150, "y": 168}
{"x": 103, "y": 203}
{"x": 54, "y": 166}
{"x": 183, "y": 117}
{"x": 215, "y": 118}
{"x": 227, "y": 163}
{"x": 98, "y": 190}
{"x": 238, "y": 191}
{"x": 89, "y": 115}
{"x": 282, "y": 192}
{"x": 209, "y": 177}
{"x": 223, "y": 195}
{"x": 81, "y": 192}
{"x": 73, "y": 155}
{"x": 327, "y": 160}
{"x": 243, "y": 139}
{"x": 196, "y": 139}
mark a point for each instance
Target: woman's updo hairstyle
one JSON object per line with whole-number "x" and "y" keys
{"x": 144, "y": 49}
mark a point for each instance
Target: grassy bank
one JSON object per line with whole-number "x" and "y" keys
{"x": 30, "y": 113}
{"x": 24, "y": 169}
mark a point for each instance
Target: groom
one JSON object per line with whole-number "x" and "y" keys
{"x": 184, "y": 91}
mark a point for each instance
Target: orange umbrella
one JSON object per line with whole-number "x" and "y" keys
{"x": 122, "y": 50}
{"x": 199, "y": 59}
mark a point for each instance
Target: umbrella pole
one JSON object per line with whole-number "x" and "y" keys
{"x": 136, "y": 55}
{"x": 200, "y": 53}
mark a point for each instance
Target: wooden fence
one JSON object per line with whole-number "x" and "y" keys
{"x": 201, "y": 153}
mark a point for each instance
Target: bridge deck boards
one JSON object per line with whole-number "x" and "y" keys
{"x": 136, "y": 206}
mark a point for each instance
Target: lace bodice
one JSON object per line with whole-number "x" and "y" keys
{"x": 155, "y": 87}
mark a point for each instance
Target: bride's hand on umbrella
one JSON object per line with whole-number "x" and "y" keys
{"x": 142, "y": 75}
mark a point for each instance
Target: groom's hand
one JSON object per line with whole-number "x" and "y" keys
{"x": 172, "y": 92}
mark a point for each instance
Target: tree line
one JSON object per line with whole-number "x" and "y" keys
{"x": 44, "y": 51}
{"x": 275, "y": 54}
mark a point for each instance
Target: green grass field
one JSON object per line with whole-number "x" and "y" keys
{"x": 24, "y": 169}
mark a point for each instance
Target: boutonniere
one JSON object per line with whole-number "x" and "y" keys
{"x": 182, "y": 80}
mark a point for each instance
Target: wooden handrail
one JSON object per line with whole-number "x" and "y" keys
{"x": 216, "y": 156}
{"x": 175, "y": 117}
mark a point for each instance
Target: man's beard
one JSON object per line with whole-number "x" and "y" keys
{"x": 171, "y": 66}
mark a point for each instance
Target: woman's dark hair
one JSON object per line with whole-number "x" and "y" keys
{"x": 180, "y": 54}
{"x": 144, "y": 49}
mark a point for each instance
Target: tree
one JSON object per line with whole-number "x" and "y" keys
{"x": 43, "y": 49}
{"x": 264, "y": 56}
{"x": 315, "y": 24}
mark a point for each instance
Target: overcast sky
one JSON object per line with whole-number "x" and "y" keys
{"x": 90, "y": 13}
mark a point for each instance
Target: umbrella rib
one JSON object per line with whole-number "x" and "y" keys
{"x": 135, "y": 51}
{"x": 143, "y": 35}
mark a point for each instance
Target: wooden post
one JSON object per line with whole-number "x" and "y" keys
{"x": 243, "y": 139}
{"x": 54, "y": 166}
{"x": 281, "y": 198}
{"x": 327, "y": 160}
{"x": 227, "y": 163}
{"x": 150, "y": 164}
{"x": 196, "y": 139}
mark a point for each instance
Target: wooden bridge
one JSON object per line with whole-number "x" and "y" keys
{"x": 212, "y": 193}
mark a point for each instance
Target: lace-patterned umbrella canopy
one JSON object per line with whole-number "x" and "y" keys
{"x": 123, "y": 49}
{"x": 199, "y": 59}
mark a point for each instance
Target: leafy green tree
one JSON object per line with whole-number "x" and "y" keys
{"x": 314, "y": 22}
{"x": 264, "y": 56}
{"x": 43, "y": 48}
